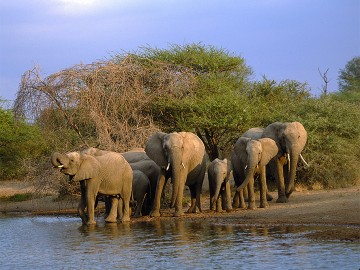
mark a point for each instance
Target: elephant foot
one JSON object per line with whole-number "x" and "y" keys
{"x": 269, "y": 198}
{"x": 125, "y": 219}
{"x": 155, "y": 213}
{"x": 110, "y": 220}
{"x": 251, "y": 206}
{"x": 91, "y": 223}
{"x": 288, "y": 194}
{"x": 264, "y": 205}
{"x": 282, "y": 199}
{"x": 191, "y": 210}
{"x": 178, "y": 214}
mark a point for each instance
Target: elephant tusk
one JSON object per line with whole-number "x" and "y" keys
{"x": 168, "y": 166}
{"x": 288, "y": 158}
{"x": 182, "y": 164}
{"x": 60, "y": 166}
{"x": 245, "y": 167}
{"x": 303, "y": 160}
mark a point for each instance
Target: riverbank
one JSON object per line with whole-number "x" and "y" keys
{"x": 336, "y": 207}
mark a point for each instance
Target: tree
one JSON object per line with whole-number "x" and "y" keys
{"x": 213, "y": 106}
{"x": 349, "y": 78}
{"x": 18, "y": 141}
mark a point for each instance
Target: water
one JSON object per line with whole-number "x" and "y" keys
{"x": 62, "y": 243}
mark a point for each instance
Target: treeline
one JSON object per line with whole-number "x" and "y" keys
{"x": 117, "y": 103}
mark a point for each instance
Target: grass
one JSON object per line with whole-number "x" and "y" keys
{"x": 18, "y": 197}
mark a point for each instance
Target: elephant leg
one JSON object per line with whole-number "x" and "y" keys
{"x": 236, "y": 200}
{"x": 111, "y": 218}
{"x": 82, "y": 202}
{"x": 228, "y": 207}
{"x": 263, "y": 189}
{"x": 81, "y": 211}
{"x": 107, "y": 201}
{"x": 223, "y": 198}
{"x": 242, "y": 199}
{"x": 280, "y": 182}
{"x": 155, "y": 212}
{"x": 120, "y": 207}
{"x": 178, "y": 204}
{"x": 219, "y": 204}
{"x": 90, "y": 208}
{"x": 251, "y": 203}
{"x": 126, "y": 207}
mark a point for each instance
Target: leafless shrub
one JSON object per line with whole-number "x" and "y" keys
{"x": 103, "y": 102}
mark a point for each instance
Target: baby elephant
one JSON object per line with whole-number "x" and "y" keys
{"x": 141, "y": 193}
{"x": 218, "y": 174}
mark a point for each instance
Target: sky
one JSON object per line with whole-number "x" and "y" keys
{"x": 279, "y": 39}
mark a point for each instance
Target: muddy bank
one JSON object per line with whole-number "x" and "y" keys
{"x": 339, "y": 207}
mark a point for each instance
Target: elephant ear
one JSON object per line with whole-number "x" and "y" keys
{"x": 240, "y": 148}
{"x": 89, "y": 168}
{"x": 154, "y": 149}
{"x": 269, "y": 150}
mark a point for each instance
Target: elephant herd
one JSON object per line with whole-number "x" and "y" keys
{"x": 139, "y": 176}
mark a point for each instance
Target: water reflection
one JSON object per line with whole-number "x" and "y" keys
{"x": 59, "y": 243}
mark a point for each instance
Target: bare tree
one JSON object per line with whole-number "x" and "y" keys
{"x": 326, "y": 81}
{"x": 107, "y": 104}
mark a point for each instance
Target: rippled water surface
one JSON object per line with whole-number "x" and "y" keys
{"x": 62, "y": 243}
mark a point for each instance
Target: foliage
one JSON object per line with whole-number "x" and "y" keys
{"x": 333, "y": 143}
{"x": 210, "y": 108}
{"x": 116, "y": 104}
{"x": 349, "y": 78}
{"x": 18, "y": 142}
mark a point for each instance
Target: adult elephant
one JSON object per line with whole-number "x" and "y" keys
{"x": 219, "y": 184}
{"x": 138, "y": 160}
{"x": 108, "y": 174}
{"x": 290, "y": 138}
{"x": 181, "y": 155}
{"x": 249, "y": 159}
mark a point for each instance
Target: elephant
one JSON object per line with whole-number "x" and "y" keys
{"x": 141, "y": 192}
{"x": 138, "y": 160}
{"x": 249, "y": 159}
{"x": 109, "y": 174}
{"x": 180, "y": 155}
{"x": 219, "y": 184}
{"x": 290, "y": 138}
{"x": 134, "y": 155}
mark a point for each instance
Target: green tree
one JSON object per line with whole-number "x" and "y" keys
{"x": 349, "y": 78}
{"x": 18, "y": 141}
{"x": 214, "y": 104}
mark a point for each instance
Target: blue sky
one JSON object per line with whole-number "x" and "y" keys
{"x": 281, "y": 39}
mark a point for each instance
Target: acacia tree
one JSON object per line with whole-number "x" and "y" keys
{"x": 215, "y": 108}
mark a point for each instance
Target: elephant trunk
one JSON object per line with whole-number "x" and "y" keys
{"x": 292, "y": 174}
{"x": 249, "y": 172}
{"x": 59, "y": 160}
{"x": 176, "y": 179}
{"x": 218, "y": 182}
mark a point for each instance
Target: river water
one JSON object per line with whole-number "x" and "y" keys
{"x": 47, "y": 242}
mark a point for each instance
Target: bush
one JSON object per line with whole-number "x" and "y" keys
{"x": 19, "y": 143}
{"x": 333, "y": 143}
